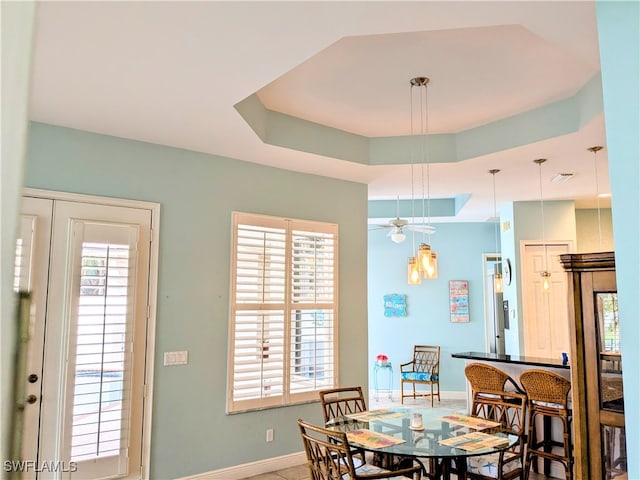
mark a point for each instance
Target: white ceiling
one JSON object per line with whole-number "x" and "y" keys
{"x": 172, "y": 72}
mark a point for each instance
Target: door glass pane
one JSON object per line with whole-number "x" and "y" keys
{"x": 24, "y": 254}
{"x": 614, "y": 451}
{"x": 610, "y": 364}
{"x": 101, "y": 353}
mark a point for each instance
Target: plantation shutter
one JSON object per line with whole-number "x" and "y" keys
{"x": 24, "y": 254}
{"x": 100, "y": 348}
{"x": 312, "y": 299}
{"x": 283, "y": 311}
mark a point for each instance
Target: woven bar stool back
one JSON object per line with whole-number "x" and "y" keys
{"x": 548, "y": 395}
{"x": 487, "y": 378}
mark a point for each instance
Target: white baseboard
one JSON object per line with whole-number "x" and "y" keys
{"x": 245, "y": 470}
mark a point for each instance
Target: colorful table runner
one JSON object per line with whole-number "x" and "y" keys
{"x": 372, "y": 415}
{"x": 369, "y": 438}
{"x": 475, "y": 441}
{"x": 472, "y": 422}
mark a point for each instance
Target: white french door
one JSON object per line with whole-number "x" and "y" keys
{"x": 88, "y": 266}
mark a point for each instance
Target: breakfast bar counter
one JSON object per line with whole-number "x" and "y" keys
{"x": 530, "y": 362}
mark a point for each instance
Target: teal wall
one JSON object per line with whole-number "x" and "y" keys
{"x": 619, "y": 36}
{"x": 197, "y": 192}
{"x": 460, "y": 247}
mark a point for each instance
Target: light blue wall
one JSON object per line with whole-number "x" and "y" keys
{"x": 619, "y": 36}
{"x": 525, "y": 224}
{"x": 197, "y": 192}
{"x": 460, "y": 247}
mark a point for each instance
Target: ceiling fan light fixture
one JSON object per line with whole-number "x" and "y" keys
{"x": 397, "y": 236}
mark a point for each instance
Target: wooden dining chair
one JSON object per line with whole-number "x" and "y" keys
{"x": 337, "y": 402}
{"x": 329, "y": 458}
{"x": 509, "y": 409}
{"x": 340, "y": 401}
{"x": 423, "y": 369}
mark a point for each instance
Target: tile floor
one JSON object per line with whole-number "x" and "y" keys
{"x": 301, "y": 472}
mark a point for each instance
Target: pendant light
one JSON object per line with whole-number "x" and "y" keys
{"x": 545, "y": 274}
{"x": 497, "y": 276}
{"x": 413, "y": 271}
{"x": 427, "y": 258}
{"x": 595, "y": 151}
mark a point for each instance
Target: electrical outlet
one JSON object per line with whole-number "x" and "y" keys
{"x": 269, "y": 436}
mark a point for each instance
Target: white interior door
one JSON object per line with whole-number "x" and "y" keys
{"x": 546, "y": 314}
{"x": 89, "y": 344}
{"x": 31, "y": 274}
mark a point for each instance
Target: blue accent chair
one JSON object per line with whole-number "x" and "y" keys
{"x": 424, "y": 369}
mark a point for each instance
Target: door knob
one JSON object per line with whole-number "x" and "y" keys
{"x": 32, "y": 399}
{"x": 33, "y": 378}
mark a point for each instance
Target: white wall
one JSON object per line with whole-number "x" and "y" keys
{"x": 17, "y": 35}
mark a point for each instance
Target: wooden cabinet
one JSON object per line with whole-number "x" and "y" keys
{"x": 596, "y": 367}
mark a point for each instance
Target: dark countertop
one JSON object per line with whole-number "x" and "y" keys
{"x": 502, "y": 358}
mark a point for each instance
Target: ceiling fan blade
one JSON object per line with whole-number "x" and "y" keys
{"x": 421, "y": 228}
{"x": 381, "y": 227}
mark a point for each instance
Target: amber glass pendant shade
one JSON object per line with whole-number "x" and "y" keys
{"x": 431, "y": 272}
{"x": 413, "y": 271}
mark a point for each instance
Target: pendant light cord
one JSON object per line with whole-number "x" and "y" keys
{"x": 595, "y": 169}
{"x": 544, "y": 243}
{"x": 495, "y": 210}
{"x": 413, "y": 208}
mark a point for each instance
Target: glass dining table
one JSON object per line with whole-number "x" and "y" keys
{"x": 445, "y": 439}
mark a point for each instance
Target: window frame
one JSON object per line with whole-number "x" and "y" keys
{"x": 290, "y": 309}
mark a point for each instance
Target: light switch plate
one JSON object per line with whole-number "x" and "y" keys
{"x": 176, "y": 358}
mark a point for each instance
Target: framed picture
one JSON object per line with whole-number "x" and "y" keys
{"x": 395, "y": 305}
{"x": 459, "y": 301}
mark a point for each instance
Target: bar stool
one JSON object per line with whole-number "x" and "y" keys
{"x": 548, "y": 398}
{"x": 483, "y": 377}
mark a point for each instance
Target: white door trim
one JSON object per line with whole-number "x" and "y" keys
{"x": 154, "y": 208}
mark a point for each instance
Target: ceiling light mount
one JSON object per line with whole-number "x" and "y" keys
{"x": 419, "y": 81}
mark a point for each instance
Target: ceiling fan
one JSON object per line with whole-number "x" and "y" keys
{"x": 398, "y": 225}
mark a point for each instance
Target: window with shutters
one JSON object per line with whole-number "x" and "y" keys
{"x": 284, "y": 307}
